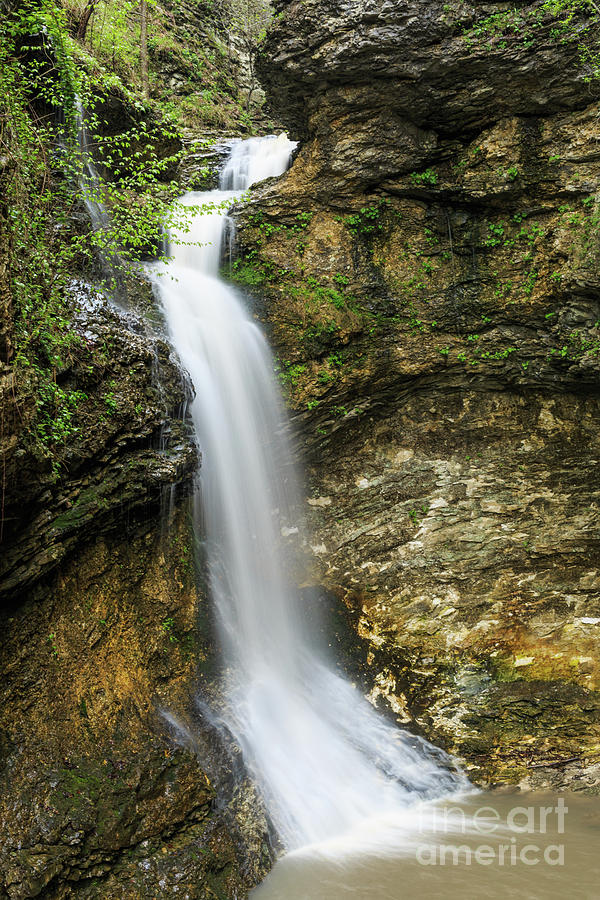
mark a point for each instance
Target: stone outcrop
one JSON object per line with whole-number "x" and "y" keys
{"x": 124, "y": 441}
{"x": 97, "y": 798}
{"x": 428, "y": 273}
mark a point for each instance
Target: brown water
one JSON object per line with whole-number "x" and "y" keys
{"x": 525, "y": 846}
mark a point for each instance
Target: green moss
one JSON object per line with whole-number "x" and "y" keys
{"x": 562, "y": 21}
{"x": 246, "y": 272}
{"x": 83, "y": 785}
{"x": 86, "y": 505}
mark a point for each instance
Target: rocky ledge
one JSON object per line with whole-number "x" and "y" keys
{"x": 102, "y": 794}
{"x": 110, "y": 434}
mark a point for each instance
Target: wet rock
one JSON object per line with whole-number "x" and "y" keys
{"x": 426, "y": 271}
{"x": 97, "y": 798}
{"x": 125, "y": 439}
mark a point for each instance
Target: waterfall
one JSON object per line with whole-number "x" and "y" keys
{"x": 90, "y": 187}
{"x": 89, "y": 179}
{"x": 325, "y": 760}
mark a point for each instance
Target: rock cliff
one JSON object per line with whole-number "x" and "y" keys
{"x": 97, "y": 798}
{"x": 429, "y": 274}
{"x": 112, "y": 783}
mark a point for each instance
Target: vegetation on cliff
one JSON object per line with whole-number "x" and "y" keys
{"x": 94, "y": 442}
{"x": 93, "y": 153}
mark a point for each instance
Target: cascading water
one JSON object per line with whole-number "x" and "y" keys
{"x": 89, "y": 179}
{"x": 325, "y": 761}
{"x": 91, "y": 192}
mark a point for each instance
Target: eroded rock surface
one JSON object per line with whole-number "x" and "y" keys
{"x": 118, "y": 441}
{"x": 96, "y": 798}
{"x": 428, "y": 272}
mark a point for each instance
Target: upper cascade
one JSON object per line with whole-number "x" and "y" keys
{"x": 254, "y": 160}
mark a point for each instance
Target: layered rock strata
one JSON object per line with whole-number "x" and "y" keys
{"x": 428, "y": 270}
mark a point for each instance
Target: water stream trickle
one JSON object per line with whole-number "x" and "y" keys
{"x": 92, "y": 195}
{"x": 327, "y": 764}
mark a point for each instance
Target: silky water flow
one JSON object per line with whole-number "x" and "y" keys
{"x": 330, "y": 768}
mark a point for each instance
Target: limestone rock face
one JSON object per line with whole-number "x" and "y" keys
{"x": 450, "y": 66}
{"x": 124, "y": 441}
{"x": 100, "y": 797}
{"x": 428, "y": 271}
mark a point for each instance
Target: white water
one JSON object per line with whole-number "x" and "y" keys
{"x": 330, "y": 768}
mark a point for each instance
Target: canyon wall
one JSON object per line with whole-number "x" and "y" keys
{"x": 428, "y": 272}
{"x": 113, "y": 783}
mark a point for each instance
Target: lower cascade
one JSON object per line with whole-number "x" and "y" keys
{"x": 327, "y": 764}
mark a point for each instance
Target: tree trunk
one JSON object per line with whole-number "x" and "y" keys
{"x": 85, "y": 19}
{"x": 144, "y": 47}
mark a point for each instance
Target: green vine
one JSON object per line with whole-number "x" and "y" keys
{"x": 43, "y": 90}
